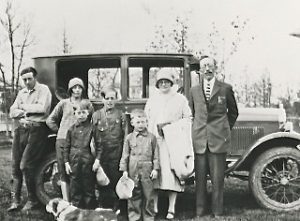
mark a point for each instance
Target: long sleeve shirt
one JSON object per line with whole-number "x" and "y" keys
{"x": 35, "y": 104}
{"x": 62, "y": 117}
{"x": 140, "y": 154}
{"x": 78, "y": 140}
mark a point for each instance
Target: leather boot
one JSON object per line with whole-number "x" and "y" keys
{"x": 32, "y": 202}
{"x": 15, "y": 195}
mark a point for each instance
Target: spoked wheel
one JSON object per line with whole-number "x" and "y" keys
{"x": 275, "y": 179}
{"x": 47, "y": 180}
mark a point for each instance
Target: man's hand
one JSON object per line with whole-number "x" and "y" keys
{"x": 24, "y": 122}
{"x": 153, "y": 174}
{"x": 96, "y": 165}
{"x": 125, "y": 174}
{"x": 68, "y": 168}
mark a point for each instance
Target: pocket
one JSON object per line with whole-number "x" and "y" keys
{"x": 102, "y": 126}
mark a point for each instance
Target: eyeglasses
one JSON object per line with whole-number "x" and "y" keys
{"x": 110, "y": 98}
{"x": 163, "y": 81}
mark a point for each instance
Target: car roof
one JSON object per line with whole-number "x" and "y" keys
{"x": 116, "y": 54}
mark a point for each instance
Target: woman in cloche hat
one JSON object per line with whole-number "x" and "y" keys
{"x": 161, "y": 109}
{"x": 64, "y": 113}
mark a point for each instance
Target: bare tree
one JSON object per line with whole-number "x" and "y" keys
{"x": 174, "y": 40}
{"x": 222, "y": 48}
{"x": 17, "y": 38}
{"x": 66, "y": 43}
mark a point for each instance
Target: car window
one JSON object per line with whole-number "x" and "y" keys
{"x": 135, "y": 90}
{"x": 102, "y": 78}
{"x": 136, "y": 79}
{"x": 178, "y": 78}
{"x": 194, "y": 78}
{"x": 142, "y": 73}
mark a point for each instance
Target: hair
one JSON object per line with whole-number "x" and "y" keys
{"x": 137, "y": 113}
{"x": 109, "y": 89}
{"x": 84, "y": 105}
{"x": 28, "y": 70}
{"x": 206, "y": 56}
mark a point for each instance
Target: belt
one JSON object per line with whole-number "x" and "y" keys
{"x": 32, "y": 124}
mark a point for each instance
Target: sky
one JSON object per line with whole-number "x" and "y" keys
{"x": 97, "y": 26}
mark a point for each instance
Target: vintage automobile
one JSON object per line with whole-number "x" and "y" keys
{"x": 263, "y": 151}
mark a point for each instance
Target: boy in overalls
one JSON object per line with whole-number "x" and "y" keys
{"x": 79, "y": 159}
{"x": 109, "y": 135}
{"x": 140, "y": 162}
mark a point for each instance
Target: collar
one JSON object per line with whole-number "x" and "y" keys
{"x": 61, "y": 214}
{"x": 85, "y": 123}
{"x": 143, "y": 133}
{"x": 33, "y": 89}
{"x": 211, "y": 82}
{"x": 109, "y": 111}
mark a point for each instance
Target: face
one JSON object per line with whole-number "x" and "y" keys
{"x": 110, "y": 100}
{"x": 29, "y": 80}
{"x": 164, "y": 85}
{"x": 76, "y": 91}
{"x": 139, "y": 123}
{"x": 81, "y": 115}
{"x": 208, "y": 68}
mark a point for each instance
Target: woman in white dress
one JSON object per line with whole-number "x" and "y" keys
{"x": 165, "y": 107}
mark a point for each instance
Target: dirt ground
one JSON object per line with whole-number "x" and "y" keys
{"x": 239, "y": 204}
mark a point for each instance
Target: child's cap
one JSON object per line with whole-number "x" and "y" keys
{"x": 101, "y": 177}
{"x": 124, "y": 187}
{"x": 75, "y": 81}
{"x": 137, "y": 113}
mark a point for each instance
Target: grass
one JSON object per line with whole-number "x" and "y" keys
{"x": 239, "y": 204}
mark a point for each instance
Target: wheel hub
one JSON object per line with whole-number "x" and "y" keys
{"x": 284, "y": 181}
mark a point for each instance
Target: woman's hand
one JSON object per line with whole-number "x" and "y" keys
{"x": 153, "y": 174}
{"x": 125, "y": 174}
{"x": 160, "y": 127}
{"x": 68, "y": 168}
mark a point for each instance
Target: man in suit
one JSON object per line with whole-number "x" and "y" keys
{"x": 215, "y": 111}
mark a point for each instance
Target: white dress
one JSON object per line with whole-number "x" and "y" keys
{"x": 162, "y": 108}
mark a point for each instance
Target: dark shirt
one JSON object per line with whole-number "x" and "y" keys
{"x": 109, "y": 134}
{"x": 78, "y": 139}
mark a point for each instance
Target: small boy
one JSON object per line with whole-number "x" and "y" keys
{"x": 79, "y": 159}
{"x": 109, "y": 123}
{"x": 140, "y": 162}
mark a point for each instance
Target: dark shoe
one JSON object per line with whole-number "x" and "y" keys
{"x": 30, "y": 205}
{"x": 14, "y": 206}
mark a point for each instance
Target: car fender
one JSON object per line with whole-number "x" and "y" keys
{"x": 50, "y": 144}
{"x": 289, "y": 139}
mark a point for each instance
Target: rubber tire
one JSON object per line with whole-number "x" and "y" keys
{"x": 40, "y": 191}
{"x": 254, "y": 182}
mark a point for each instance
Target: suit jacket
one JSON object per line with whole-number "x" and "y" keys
{"x": 213, "y": 120}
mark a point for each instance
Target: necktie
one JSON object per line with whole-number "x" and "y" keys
{"x": 207, "y": 91}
